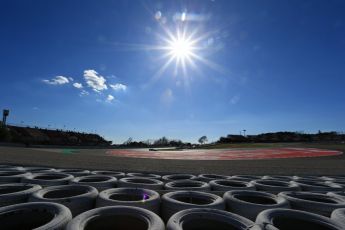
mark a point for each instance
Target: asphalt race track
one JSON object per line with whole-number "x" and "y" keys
{"x": 282, "y": 161}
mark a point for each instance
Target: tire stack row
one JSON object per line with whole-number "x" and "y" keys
{"x": 46, "y": 198}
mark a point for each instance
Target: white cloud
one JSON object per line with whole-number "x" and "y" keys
{"x": 94, "y": 80}
{"x": 71, "y": 78}
{"x": 118, "y": 87}
{"x": 58, "y": 80}
{"x": 83, "y": 93}
{"x": 78, "y": 85}
{"x": 110, "y": 98}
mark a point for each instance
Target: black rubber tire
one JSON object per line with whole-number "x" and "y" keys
{"x": 47, "y": 179}
{"x": 116, "y": 174}
{"x": 144, "y": 175}
{"x": 208, "y": 177}
{"x": 16, "y": 193}
{"x": 207, "y": 218}
{"x": 283, "y": 219}
{"x": 311, "y": 178}
{"x": 173, "y": 202}
{"x": 250, "y": 203}
{"x": 100, "y": 182}
{"x": 275, "y": 186}
{"x": 117, "y": 217}
{"x": 277, "y": 177}
{"x": 187, "y": 185}
{"x": 247, "y": 178}
{"x": 172, "y": 177}
{"x": 75, "y": 172}
{"x": 227, "y": 185}
{"x": 140, "y": 182}
{"x": 334, "y": 178}
{"x": 12, "y": 176}
{"x": 321, "y": 186}
{"x": 78, "y": 198}
{"x": 38, "y": 216}
{"x": 135, "y": 197}
{"x": 338, "y": 215}
{"x": 34, "y": 169}
{"x": 317, "y": 203}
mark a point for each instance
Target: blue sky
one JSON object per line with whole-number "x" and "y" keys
{"x": 101, "y": 66}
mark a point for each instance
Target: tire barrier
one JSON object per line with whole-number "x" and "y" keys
{"x": 16, "y": 193}
{"x": 317, "y": 203}
{"x": 11, "y": 168}
{"x": 117, "y": 217}
{"x": 209, "y": 177}
{"x": 12, "y": 176}
{"x": 338, "y": 215}
{"x": 321, "y": 186}
{"x": 48, "y": 179}
{"x": 187, "y": 185}
{"x": 173, "y": 177}
{"x": 75, "y": 172}
{"x": 284, "y": 219}
{"x": 250, "y": 203}
{"x": 78, "y": 198}
{"x": 334, "y": 178}
{"x": 340, "y": 195}
{"x": 275, "y": 186}
{"x": 277, "y": 177}
{"x": 144, "y": 175}
{"x": 174, "y": 202}
{"x": 40, "y": 215}
{"x": 35, "y": 169}
{"x": 312, "y": 178}
{"x": 100, "y": 182}
{"x": 206, "y": 218}
{"x": 245, "y": 177}
{"x": 140, "y": 182}
{"x": 135, "y": 197}
{"x": 117, "y": 175}
{"x": 227, "y": 185}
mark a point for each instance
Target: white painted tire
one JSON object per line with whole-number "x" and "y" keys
{"x": 276, "y": 219}
{"x": 116, "y": 174}
{"x": 140, "y": 182}
{"x": 78, "y": 198}
{"x": 34, "y": 169}
{"x": 338, "y": 215}
{"x": 207, "y": 218}
{"x": 275, "y": 186}
{"x": 228, "y": 185}
{"x": 247, "y": 178}
{"x": 172, "y": 177}
{"x": 320, "y": 186}
{"x": 75, "y": 172}
{"x": 340, "y": 195}
{"x": 47, "y": 179}
{"x": 38, "y": 216}
{"x": 208, "y": 177}
{"x": 117, "y": 217}
{"x": 187, "y": 185}
{"x": 317, "y": 203}
{"x": 135, "y": 197}
{"x": 250, "y": 203}
{"x": 100, "y": 182}
{"x": 277, "y": 177}
{"x": 144, "y": 175}
{"x": 12, "y": 176}
{"x": 16, "y": 193}
{"x": 173, "y": 202}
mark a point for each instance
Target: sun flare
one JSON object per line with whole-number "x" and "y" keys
{"x": 181, "y": 48}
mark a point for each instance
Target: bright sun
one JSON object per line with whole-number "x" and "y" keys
{"x": 181, "y": 48}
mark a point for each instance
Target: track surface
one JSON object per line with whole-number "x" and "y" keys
{"x": 102, "y": 159}
{"x": 227, "y": 154}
